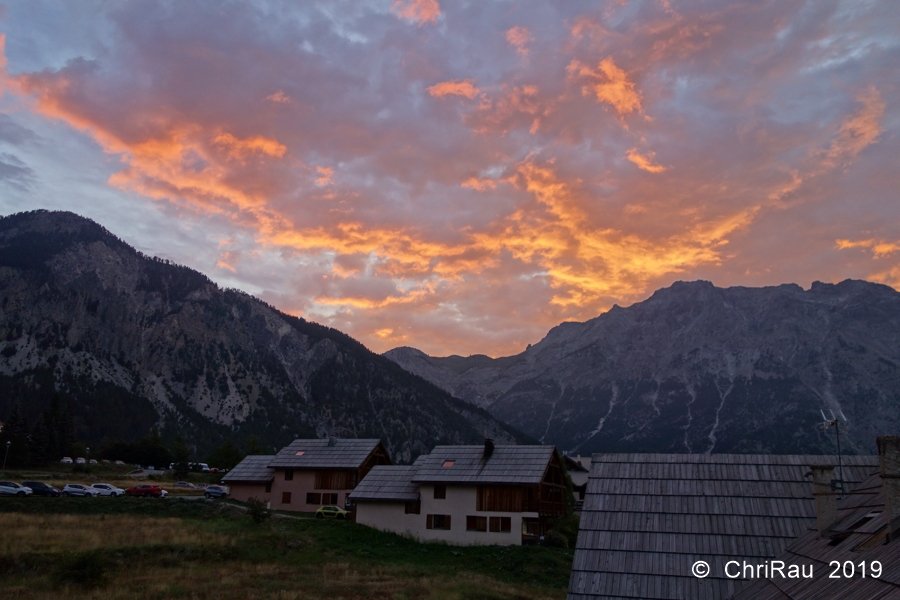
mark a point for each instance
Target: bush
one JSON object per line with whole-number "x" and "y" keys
{"x": 554, "y": 539}
{"x": 258, "y": 510}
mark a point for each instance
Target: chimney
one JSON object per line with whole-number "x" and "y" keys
{"x": 826, "y": 502}
{"x": 330, "y": 441}
{"x": 488, "y": 447}
{"x": 889, "y": 459}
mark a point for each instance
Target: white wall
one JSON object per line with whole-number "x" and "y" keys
{"x": 459, "y": 504}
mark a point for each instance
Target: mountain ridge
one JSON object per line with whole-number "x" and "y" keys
{"x": 696, "y": 368}
{"x": 135, "y": 341}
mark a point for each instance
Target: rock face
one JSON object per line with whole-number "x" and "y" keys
{"x": 700, "y": 369}
{"x": 133, "y": 342}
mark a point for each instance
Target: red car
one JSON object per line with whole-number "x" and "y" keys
{"x": 145, "y": 489}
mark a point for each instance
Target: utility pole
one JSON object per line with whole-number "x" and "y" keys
{"x": 8, "y": 444}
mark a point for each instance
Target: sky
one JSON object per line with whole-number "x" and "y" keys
{"x": 460, "y": 176}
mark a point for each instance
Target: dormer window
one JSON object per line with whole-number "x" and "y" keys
{"x": 448, "y": 463}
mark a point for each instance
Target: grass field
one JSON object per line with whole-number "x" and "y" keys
{"x": 143, "y": 548}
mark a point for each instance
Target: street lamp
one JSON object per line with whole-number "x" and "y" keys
{"x": 87, "y": 458}
{"x": 8, "y": 444}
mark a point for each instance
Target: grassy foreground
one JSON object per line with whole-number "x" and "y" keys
{"x": 145, "y": 548}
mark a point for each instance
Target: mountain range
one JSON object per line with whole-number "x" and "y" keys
{"x": 133, "y": 342}
{"x": 699, "y": 369}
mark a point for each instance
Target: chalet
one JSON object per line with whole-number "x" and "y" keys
{"x": 859, "y": 534}
{"x": 648, "y": 518}
{"x": 467, "y": 495}
{"x": 306, "y": 474}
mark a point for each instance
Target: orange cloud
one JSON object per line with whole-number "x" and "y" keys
{"x": 879, "y": 248}
{"x": 644, "y": 162}
{"x": 609, "y": 84}
{"x": 279, "y": 97}
{"x": 418, "y": 11}
{"x": 325, "y": 174}
{"x": 858, "y": 131}
{"x": 479, "y": 184}
{"x": 519, "y": 37}
{"x": 239, "y": 149}
{"x": 461, "y": 87}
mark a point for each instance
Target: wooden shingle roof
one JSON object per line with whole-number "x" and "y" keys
{"x": 857, "y": 537}
{"x": 388, "y": 483}
{"x": 648, "y": 517}
{"x": 324, "y": 454}
{"x": 254, "y": 468}
{"x": 467, "y": 464}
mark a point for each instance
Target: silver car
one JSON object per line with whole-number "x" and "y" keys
{"x": 77, "y": 489}
{"x": 11, "y": 488}
{"x": 105, "y": 489}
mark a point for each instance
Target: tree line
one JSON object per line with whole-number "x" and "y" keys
{"x": 52, "y": 437}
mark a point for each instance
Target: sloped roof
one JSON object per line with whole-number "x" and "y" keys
{"x": 506, "y": 464}
{"x": 388, "y": 483}
{"x": 253, "y": 468}
{"x": 859, "y": 528}
{"x": 648, "y": 517}
{"x": 324, "y": 454}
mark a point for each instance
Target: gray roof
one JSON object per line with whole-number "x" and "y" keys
{"x": 252, "y": 468}
{"x": 857, "y": 523}
{"x": 324, "y": 454}
{"x": 388, "y": 483}
{"x": 648, "y": 517}
{"x": 507, "y": 464}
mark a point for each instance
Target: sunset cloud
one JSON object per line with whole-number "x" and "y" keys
{"x": 644, "y": 162}
{"x": 519, "y": 38}
{"x": 418, "y": 11}
{"x": 464, "y": 87}
{"x": 425, "y": 185}
{"x": 609, "y": 84}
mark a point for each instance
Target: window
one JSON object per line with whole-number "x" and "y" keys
{"x": 437, "y": 522}
{"x": 329, "y": 498}
{"x": 414, "y": 507}
{"x": 289, "y": 475}
{"x": 476, "y": 523}
{"x": 285, "y": 497}
{"x": 313, "y": 498}
{"x": 301, "y": 453}
{"x": 448, "y": 463}
{"x": 501, "y": 524}
{"x": 269, "y": 487}
{"x": 440, "y": 491}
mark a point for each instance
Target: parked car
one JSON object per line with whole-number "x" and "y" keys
{"x": 79, "y": 460}
{"x": 81, "y": 491}
{"x": 215, "y": 491}
{"x": 11, "y": 488}
{"x": 184, "y": 484}
{"x": 146, "y": 489}
{"x": 41, "y": 489}
{"x": 120, "y": 463}
{"x": 105, "y": 489}
{"x": 93, "y": 461}
{"x": 332, "y": 512}
{"x": 66, "y": 460}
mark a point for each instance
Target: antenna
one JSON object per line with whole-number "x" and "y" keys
{"x": 836, "y": 423}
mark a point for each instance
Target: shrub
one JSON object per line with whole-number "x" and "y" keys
{"x": 554, "y": 539}
{"x": 258, "y": 510}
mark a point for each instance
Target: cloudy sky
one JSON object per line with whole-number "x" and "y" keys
{"x": 461, "y": 176}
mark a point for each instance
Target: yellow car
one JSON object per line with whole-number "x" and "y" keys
{"x": 332, "y": 512}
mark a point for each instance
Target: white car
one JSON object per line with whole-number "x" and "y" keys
{"x": 11, "y": 488}
{"x": 105, "y": 489}
{"x": 76, "y": 489}
{"x": 66, "y": 460}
